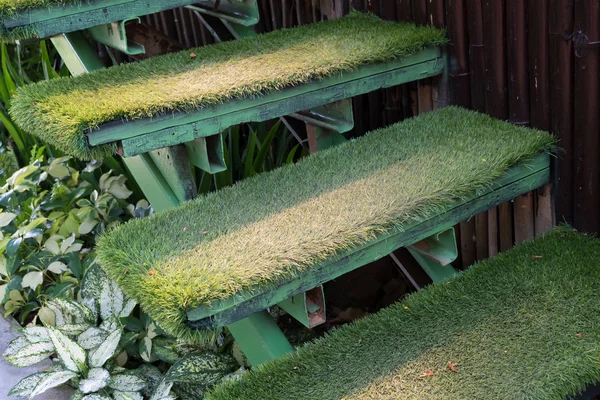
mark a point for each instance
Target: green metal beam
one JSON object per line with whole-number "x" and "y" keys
{"x": 260, "y": 338}
{"x": 76, "y": 52}
{"x": 151, "y": 181}
{"x": 436, "y": 253}
{"x": 173, "y": 165}
{"x": 308, "y": 307}
{"x": 519, "y": 180}
{"x": 114, "y": 35}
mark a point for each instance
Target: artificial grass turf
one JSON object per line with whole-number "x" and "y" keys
{"x": 273, "y": 227}
{"x": 61, "y": 110}
{"x": 523, "y": 325}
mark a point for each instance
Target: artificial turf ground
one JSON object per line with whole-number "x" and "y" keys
{"x": 60, "y": 111}
{"x": 523, "y": 325}
{"x": 272, "y": 227}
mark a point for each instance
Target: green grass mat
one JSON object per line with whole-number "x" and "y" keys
{"x": 274, "y": 226}
{"x": 523, "y": 325}
{"x": 10, "y": 7}
{"x": 61, "y": 110}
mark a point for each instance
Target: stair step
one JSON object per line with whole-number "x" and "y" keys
{"x": 24, "y": 19}
{"x": 179, "y": 97}
{"x": 219, "y": 258}
{"x": 523, "y": 325}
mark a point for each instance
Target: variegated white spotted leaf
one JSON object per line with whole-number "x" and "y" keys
{"x": 97, "y": 379}
{"x": 69, "y": 352}
{"x": 74, "y": 312}
{"x": 36, "y": 334}
{"x": 96, "y": 396}
{"x": 90, "y": 304}
{"x": 77, "y": 395}
{"x": 162, "y": 390}
{"x": 127, "y": 383}
{"x": 127, "y": 396}
{"x": 106, "y": 350}
{"x": 110, "y": 324}
{"x": 127, "y": 307}
{"x": 51, "y": 380}
{"x": 111, "y": 299}
{"x": 16, "y": 345}
{"x": 25, "y": 386}
{"x": 31, "y": 354}
{"x": 73, "y": 329}
{"x": 91, "y": 338}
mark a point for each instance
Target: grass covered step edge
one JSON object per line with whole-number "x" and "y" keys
{"x": 523, "y": 325}
{"x": 62, "y": 110}
{"x": 278, "y": 225}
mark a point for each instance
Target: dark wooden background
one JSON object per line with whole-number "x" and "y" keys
{"x": 531, "y": 62}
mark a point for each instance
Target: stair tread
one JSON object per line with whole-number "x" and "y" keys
{"x": 521, "y": 325}
{"x": 280, "y": 225}
{"x": 61, "y": 111}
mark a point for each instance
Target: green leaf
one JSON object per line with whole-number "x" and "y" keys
{"x": 70, "y": 353}
{"x": 26, "y": 386}
{"x": 249, "y": 161}
{"x": 13, "y": 246}
{"x": 33, "y": 279}
{"x": 15, "y": 345}
{"x": 51, "y": 380}
{"x": 265, "y": 148}
{"x": 106, "y": 350}
{"x": 6, "y": 218}
{"x": 127, "y": 383}
{"x": 73, "y": 329}
{"x": 162, "y": 390}
{"x": 58, "y": 267}
{"x": 164, "y": 349}
{"x": 31, "y": 354}
{"x": 127, "y": 396}
{"x": 92, "y": 337}
{"x": 97, "y": 379}
{"x": 204, "y": 368}
{"x": 58, "y": 171}
{"x": 36, "y": 334}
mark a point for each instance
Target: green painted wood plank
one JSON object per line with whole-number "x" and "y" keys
{"x": 212, "y": 120}
{"x": 519, "y": 180}
{"x": 47, "y": 22}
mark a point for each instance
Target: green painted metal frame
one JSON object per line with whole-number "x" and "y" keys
{"x": 260, "y": 338}
{"x": 436, "y": 253}
{"x": 242, "y": 14}
{"x": 115, "y": 35}
{"x": 519, "y": 180}
{"x": 143, "y": 135}
{"x": 56, "y": 20}
{"x": 307, "y": 307}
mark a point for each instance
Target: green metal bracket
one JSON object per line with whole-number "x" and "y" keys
{"x": 76, "y": 52}
{"x": 153, "y": 184}
{"x": 308, "y": 307}
{"x": 173, "y": 164}
{"x": 242, "y": 13}
{"x": 337, "y": 117}
{"x": 435, "y": 254}
{"x": 206, "y": 153}
{"x": 326, "y": 124}
{"x": 260, "y": 338}
{"x": 114, "y": 35}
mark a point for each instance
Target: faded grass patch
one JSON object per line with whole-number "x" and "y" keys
{"x": 62, "y": 110}
{"x": 523, "y": 325}
{"x": 278, "y": 225}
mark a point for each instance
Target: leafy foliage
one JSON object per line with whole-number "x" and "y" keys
{"x": 50, "y": 217}
{"x": 89, "y": 339}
